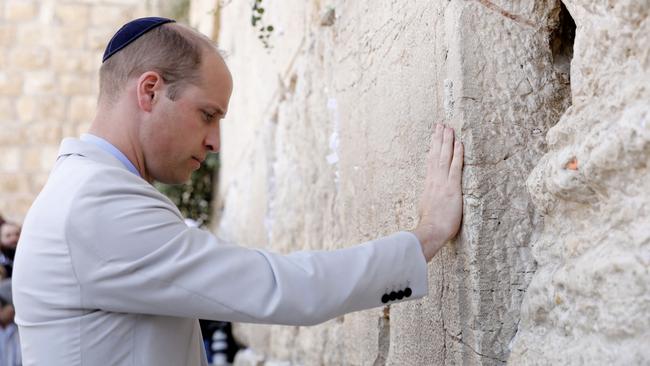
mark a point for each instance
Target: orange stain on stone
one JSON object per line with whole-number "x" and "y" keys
{"x": 572, "y": 164}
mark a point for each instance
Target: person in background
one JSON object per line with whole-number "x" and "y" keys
{"x": 9, "y": 235}
{"x": 10, "y": 354}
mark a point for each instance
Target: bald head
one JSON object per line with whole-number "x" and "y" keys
{"x": 173, "y": 50}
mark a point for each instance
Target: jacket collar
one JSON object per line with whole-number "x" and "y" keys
{"x": 73, "y": 146}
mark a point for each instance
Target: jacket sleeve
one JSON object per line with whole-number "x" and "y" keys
{"x": 132, "y": 253}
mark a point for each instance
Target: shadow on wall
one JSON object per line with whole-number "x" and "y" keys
{"x": 561, "y": 42}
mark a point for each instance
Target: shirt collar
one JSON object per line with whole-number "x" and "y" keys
{"x": 111, "y": 149}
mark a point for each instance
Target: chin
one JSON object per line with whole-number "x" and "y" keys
{"x": 182, "y": 181}
{"x": 175, "y": 180}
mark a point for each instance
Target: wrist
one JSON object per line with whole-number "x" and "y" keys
{"x": 429, "y": 243}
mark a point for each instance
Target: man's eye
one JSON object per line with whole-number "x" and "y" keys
{"x": 208, "y": 116}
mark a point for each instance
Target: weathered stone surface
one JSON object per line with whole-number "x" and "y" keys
{"x": 69, "y": 39}
{"x": 50, "y": 52}
{"x": 7, "y": 34}
{"x": 98, "y": 38}
{"x": 11, "y": 133}
{"x": 109, "y": 15}
{"x": 11, "y": 159}
{"x": 30, "y": 58}
{"x": 204, "y": 17}
{"x": 73, "y": 16}
{"x": 43, "y": 134}
{"x": 75, "y": 61}
{"x": 26, "y": 108}
{"x": 589, "y": 302}
{"x": 82, "y": 108}
{"x": 334, "y": 155}
{"x": 20, "y": 10}
{"x": 14, "y": 183}
{"x": 324, "y": 147}
{"x": 7, "y": 112}
{"x": 36, "y": 36}
{"x": 40, "y": 82}
{"x": 10, "y": 84}
{"x": 74, "y": 84}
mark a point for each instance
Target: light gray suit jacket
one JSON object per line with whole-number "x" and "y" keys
{"x": 107, "y": 273}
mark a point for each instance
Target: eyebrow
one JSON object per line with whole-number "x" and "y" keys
{"x": 217, "y": 108}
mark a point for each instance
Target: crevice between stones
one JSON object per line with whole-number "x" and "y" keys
{"x": 383, "y": 339}
{"x": 459, "y": 339}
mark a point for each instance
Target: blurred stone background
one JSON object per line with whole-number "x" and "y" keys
{"x": 325, "y": 143}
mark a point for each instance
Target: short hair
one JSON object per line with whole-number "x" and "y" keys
{"x": 173, "y": 50}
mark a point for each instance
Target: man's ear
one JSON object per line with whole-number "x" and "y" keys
{"x": 150, "y": 85}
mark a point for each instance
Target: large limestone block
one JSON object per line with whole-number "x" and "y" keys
{"x": 7, "y": 112}
{"x": 73, "y": 16}
{"x": 7, "y": 34}
{"x": 502, "y": 87}
{"x": 30, "y": 58}
{"x": 11, "y": 84}
{"x": 589, "y": 302}
{"x": 20, "y": 10}
{"x": 11, "y": 160}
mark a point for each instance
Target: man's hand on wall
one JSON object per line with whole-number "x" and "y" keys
{"x": 441, "y": 204}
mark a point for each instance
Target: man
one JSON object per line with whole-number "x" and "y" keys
{"x": 107, "y": 272}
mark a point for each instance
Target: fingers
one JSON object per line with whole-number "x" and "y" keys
{"x": 447, "y": 148}
{"x": 456, "y": 169}
{"x": 434, "y": 149}
{"x": 436, "y": 142}
{"x": 442, "y": 151}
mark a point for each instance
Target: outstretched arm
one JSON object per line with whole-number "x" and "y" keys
{"x": 441, "y": 204}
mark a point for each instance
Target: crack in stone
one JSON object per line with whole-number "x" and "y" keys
{"x": 460, "y": 340}
{"x": 442, "y": 315}
{"x": 383, "y": 338}
{"x": 514, "y": 17}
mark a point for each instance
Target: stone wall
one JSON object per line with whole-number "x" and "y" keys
{"x": 50, "y": 53}
{"x": 589, "y": 301}
{"x": 324, "y": 147}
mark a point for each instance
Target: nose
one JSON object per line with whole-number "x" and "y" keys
{"x": 213, "y": 139}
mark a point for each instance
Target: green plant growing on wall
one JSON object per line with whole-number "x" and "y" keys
{"x": 194, "y": 199}
{"x": 257, "y": 22}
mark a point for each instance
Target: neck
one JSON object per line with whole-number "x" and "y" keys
{"x": 120, "y": 129}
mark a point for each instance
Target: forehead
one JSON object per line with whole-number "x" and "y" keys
{"x": 216, "y": 82}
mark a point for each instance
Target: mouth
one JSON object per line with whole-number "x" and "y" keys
{"x": 198, "y": 162}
